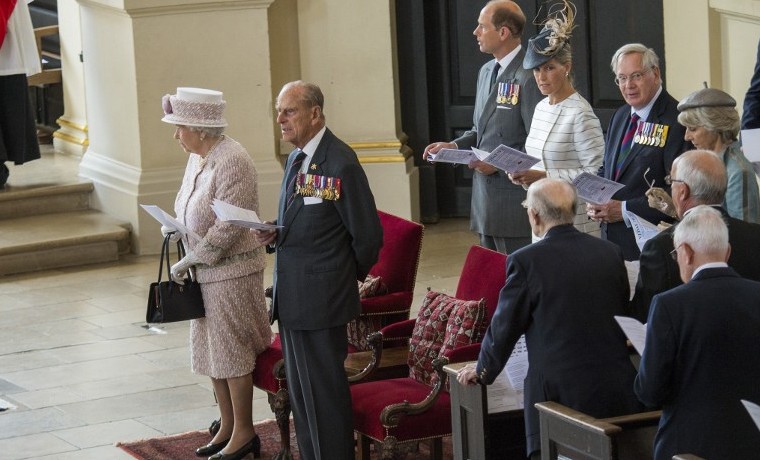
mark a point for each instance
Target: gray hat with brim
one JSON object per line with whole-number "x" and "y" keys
{"x": 534, "y": 55}
{"x": 707, "y": 97}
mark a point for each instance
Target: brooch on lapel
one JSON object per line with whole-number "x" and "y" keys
{"x": 507, "y": 94}
{"x": 313, "y": 167}
{"x": 651, "y": 134}
{"x": 327, "y": 188}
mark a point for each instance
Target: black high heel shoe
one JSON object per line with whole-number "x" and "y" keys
{"x": 254, "y": 445}
{"x": 211, "y": 449}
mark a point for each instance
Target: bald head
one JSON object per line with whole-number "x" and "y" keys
{"x": 699, "y": 177}
{"x": 552, "y": 201}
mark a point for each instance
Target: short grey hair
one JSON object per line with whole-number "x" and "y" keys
{"x": 705, "y": 174}
{"x": 208, "y": 131}
{"x": 554, "y": 200}
{"x": 704, "y": 229}
{"x": 649, "y": 57}
{"x": 311, "y": 95}
{"x": 723, "y": 121}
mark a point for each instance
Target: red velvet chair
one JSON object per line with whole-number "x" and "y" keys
{"x": 406, "y": 410}
{"x": 397, "y": 267}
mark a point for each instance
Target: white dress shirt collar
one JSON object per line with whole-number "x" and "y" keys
{"x": 644, "y": 112}
{"x": 506, "y": 60}
{"x": 310, "y": 148}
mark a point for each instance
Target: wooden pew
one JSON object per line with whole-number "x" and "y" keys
{"x": 576, "y": 435}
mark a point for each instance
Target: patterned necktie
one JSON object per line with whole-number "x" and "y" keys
{"x": 494, "y": 75}
{"x": 292, "y": 175}
{"x": 625, "y": 146}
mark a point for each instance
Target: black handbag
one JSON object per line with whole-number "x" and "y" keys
{"x": 169, "y": 301}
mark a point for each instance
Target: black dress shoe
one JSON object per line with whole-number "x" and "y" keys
{"x": 210, "y": 449}
{"x": 254, "y": 445}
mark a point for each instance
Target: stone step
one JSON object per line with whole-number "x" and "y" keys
{"x": 68, "y": 239}
{"x": 32, "y": 201}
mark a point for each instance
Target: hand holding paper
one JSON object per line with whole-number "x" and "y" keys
{"x": 635, "y": 331}
{"x": 241, "y": 217}
{"x": 168, "y": 221}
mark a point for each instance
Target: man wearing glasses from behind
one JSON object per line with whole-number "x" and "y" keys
{"x": 643, "y": 135}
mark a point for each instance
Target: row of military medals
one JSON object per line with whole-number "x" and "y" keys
{"x": 651, "y": 134}
{"x": 327, "y": 188}
{"x": 507, "y": 93}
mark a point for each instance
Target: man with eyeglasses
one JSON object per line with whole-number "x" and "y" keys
{"x": 698, "y": 361}
{"x": 698, "y": 177}
{"x": 643, "y": 135}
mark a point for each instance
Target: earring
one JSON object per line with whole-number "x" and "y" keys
{"x": 567, "y": 74}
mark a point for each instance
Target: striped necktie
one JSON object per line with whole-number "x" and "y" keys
{"x": 626, "y": 144}
{"x": 292, "y": 175}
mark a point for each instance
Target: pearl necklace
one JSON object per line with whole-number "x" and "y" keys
{"x": 202, "y": 162}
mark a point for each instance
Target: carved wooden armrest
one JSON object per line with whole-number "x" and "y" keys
{"x": 375, "y": 342}
{"x": 391, "y": 415}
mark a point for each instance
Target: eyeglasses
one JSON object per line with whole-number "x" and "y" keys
{"x": 674, "y": 252}
{"x": 669, "y": 180}
{"x": 635, "y": 77}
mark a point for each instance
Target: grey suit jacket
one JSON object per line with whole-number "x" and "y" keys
{"x": 325, "y": 248}
{"x": 495, "y": 208}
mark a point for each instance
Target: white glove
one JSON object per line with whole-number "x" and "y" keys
{"x": 660, "y": 200}
{"x": 175, "y": 235}
{"x": 179, "y": 270}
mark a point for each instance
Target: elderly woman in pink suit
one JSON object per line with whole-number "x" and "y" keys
{"x": 228, "y": 262}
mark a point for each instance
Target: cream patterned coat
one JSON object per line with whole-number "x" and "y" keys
{"x": 227, "y": 173}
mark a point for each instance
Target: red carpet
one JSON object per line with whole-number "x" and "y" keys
{"x": 182, "y": 446}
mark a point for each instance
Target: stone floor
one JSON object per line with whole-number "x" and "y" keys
{"x": 80, "y": 369}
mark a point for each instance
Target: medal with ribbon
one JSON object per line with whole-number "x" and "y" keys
{"x": 314, "y": 185}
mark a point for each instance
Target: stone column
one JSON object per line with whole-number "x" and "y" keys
{"x": 71, "y": 138}
{"x": 348, "y": 48}
{"x": 135, "y": 51}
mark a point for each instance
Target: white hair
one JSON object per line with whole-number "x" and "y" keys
{"x": 704, "y": 229}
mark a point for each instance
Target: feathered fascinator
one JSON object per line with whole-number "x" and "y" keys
{"x": 555, "y": 34}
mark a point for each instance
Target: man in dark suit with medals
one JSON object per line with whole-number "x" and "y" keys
{"x": 643, "y": 139}
{"x": 506, "y": 98}
{"x": 700, "y": 356}
{"x": 330, "y": 238}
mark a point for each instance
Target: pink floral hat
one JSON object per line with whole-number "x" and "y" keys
{"x": 194, "y": 107}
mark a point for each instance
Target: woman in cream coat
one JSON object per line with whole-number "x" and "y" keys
{"x": 229, "y": 265}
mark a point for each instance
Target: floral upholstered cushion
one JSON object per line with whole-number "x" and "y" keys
{"x": 359, "y": 328}
{"x": 372, "y": 286}
{"x": 443, "y": 323}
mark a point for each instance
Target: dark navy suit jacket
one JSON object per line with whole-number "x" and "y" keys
{"x": 658, "y": 272}
{"x": 642, "y": 157}
{"x": 701, "y": 357}
{"x": 562, "y": 293}
{"x": 325, "y": 248}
